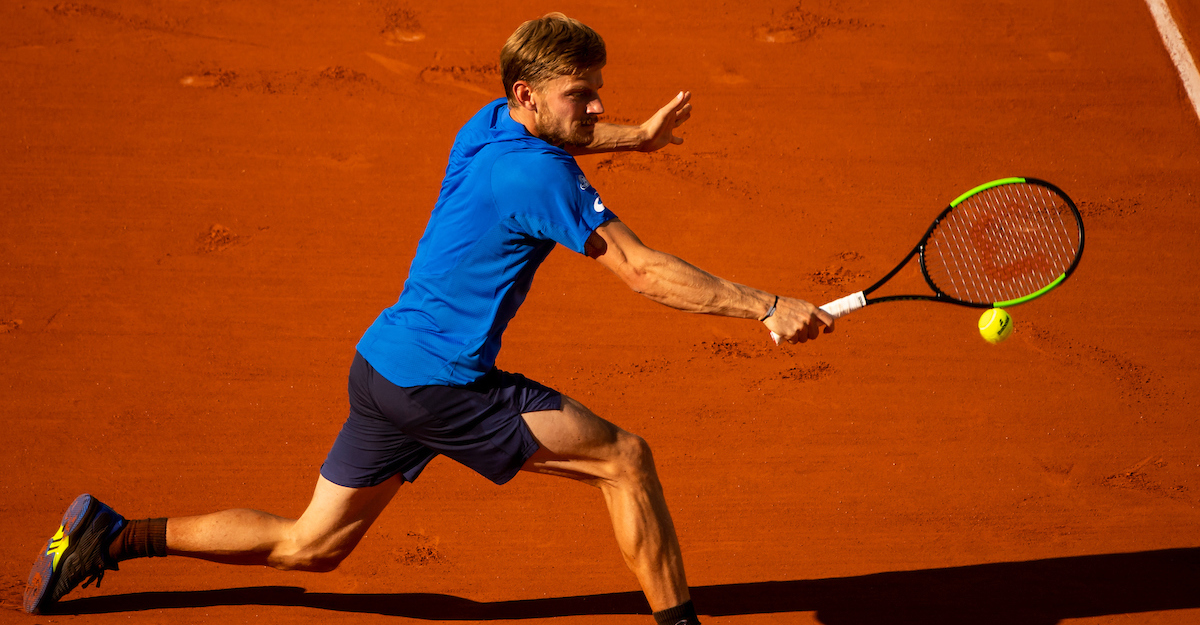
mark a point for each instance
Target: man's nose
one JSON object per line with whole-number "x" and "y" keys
{"x": 595, "y": 107}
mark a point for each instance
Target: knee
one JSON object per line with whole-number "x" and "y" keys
{"x": 634, "y": 460}
{"x": 307, "y": 556}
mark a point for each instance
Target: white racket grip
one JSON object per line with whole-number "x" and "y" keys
{"x": 838, "y": 308}
{"x": 841, "y": 307}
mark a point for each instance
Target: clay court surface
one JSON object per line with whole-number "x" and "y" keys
{"x": 204, "y": 204}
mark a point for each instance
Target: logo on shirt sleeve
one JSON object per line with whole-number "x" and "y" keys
{"x": 584, "y": 185}
{"x": 598, "y": 206}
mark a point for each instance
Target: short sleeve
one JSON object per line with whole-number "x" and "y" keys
{"x": 546, "y": 196}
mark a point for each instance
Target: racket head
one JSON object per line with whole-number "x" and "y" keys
{"x": 1002, "y": 244}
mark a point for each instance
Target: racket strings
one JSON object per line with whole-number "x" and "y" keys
{"x": 1003, "y": 243}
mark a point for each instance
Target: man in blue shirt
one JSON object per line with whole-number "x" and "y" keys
{"x": 424, "y": 382}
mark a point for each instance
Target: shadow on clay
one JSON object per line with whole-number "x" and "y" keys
{"x": 1037, "y": 592}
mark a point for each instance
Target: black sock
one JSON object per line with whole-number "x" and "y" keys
{"x": 140, "y": 539}
{"x": 683, "y": 614}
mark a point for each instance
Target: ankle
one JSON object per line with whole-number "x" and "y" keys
{"x": 139, "y": 539}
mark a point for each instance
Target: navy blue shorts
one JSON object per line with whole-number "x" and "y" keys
{"x": 393, "y": 429}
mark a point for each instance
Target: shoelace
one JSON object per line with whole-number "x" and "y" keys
{"x": 96, "y": 575}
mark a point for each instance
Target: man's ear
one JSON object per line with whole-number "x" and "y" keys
{"x": 523, "y": 93}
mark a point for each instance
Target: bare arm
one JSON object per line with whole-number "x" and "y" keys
{"x": 656, "y": 133}
{"x": 673, "y": 282}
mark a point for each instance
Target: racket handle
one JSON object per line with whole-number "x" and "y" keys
{"x": 838, "y": 308}
{"x": 841, "y": 307}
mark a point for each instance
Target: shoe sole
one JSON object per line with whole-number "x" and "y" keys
{"x": 58, "y": 549}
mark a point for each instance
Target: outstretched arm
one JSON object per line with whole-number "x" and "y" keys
{"x": 673, "y": 282}
{"x": 656, "y": 133}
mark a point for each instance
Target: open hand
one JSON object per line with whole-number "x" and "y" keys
{"x": 659, "y": 130}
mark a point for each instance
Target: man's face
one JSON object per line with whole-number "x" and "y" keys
{"x": 568, "y": 108}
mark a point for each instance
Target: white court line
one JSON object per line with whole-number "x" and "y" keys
{"x": 1177, "y": 49}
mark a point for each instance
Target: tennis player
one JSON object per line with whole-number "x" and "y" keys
{"x": 423, "y": 382}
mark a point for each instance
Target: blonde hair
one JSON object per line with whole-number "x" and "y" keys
{"x": 546, "y": 48}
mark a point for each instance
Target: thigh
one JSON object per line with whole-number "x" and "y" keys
{"x": 338, "y": 516}
{"x": 574, "y": 442}
{"x": 368, "y": 450}
{"x": 395, "y": 428}
{"x": 372, "y": 445}
{"x": 479, "y": 425}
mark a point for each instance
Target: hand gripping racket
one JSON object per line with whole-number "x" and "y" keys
{"x": 998, "y": 245}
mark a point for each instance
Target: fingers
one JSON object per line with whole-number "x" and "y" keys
{"x": 681, "y": 99}
{"x": 797, "y": 321}
{"x": 826, "y": 320}
{"x": 680, "y": 107}
{"x": 683, "y": 107}
{"x": 677, "y": 104}
{"x": 808, "y": 333}
{"x": 659, "y": 129}
{"x": 683, "y": 114}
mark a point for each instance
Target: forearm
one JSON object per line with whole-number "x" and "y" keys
{"x": 656, "y": 133}
{"x": 670, "y": 281}
{"x": 673, "y": 282}
{"x": 611, "y": 138}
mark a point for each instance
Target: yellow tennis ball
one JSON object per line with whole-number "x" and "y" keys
{"x": 995, "y": 325}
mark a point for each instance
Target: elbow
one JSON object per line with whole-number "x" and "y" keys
{"x": 649, "y": 281}
{"x": 637, "y": 279}
{"x": 645, "y": 272}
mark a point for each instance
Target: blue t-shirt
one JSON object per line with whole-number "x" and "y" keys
{"x": 507, "y": 198}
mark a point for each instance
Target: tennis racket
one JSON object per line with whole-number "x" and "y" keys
{"x": 998, "y": 245}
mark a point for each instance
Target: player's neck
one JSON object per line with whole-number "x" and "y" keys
{"x": 526, "y": 118}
